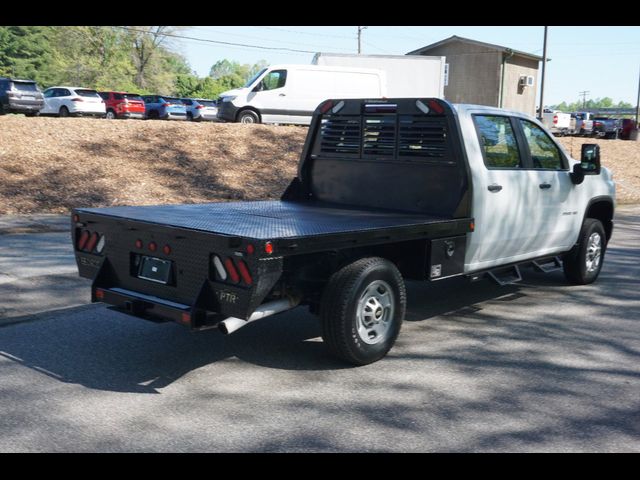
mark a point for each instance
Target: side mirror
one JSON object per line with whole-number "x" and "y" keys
{"x": 590, "y": 159}
{"x": 589, "y": 163}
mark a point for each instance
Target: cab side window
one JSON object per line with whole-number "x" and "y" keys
{"x": 274, "y": 79}
{"x": 544, "y": 152}
{"x": 497, "y": 141}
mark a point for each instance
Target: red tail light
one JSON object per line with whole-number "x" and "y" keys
{"x": 231, "y": 269}
{"x": 268, "y": 248}
{"x": 166, "y": 249}
{"x": 199, "y": 107}
{"x": 244, "y": 272}
{"x": 324, "y": 108}
{"x": 82, "y": 239}
{"x": 153, "y": 246}
{"x": 77, "y": 99}
{"x": 91, "y": 244}
{"x": 436, "y": 106}
{"x": 555, "y": 119}
{"x": 139, "y": 243}
{"x": 166, "y": 104}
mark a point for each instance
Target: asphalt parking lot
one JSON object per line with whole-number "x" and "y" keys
{"x": 537, "y": 366}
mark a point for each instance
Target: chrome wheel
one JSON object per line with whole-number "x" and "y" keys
{"x": 375, "y": 312}
{"x": 594, "y": 252}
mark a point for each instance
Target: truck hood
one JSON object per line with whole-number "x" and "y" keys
{"x": 234, "y": 93}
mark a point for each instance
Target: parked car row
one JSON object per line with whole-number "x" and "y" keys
{"x": 24, "y": 96}
{"x": 586, "y": 124}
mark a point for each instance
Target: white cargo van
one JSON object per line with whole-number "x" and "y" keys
{"x": 290, "y": 93}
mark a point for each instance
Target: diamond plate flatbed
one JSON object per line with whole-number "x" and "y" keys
{"x": 270, "y": 220}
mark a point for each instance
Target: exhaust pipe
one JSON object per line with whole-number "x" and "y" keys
{"x": 232, "y": 324}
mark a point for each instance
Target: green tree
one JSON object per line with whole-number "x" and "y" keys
{"x": 25, "y": 51}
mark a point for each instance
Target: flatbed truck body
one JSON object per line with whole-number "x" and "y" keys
{"x": 386, "y": 189}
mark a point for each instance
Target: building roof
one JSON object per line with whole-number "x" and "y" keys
{"x": 455, "y": 38}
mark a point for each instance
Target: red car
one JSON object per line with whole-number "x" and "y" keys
{"x": 123, "y": 105}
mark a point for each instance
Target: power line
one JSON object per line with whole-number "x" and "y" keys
{"x": 272, "y": 40}
{"x": 350, "y": 37}
{"x": 206, "y": 40}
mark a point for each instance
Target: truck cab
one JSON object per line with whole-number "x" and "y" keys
{"x": 522, "y": 175}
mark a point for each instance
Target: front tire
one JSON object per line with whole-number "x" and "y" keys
{"x": 363, "y": 306}
{"x": 110, "y": 115}
{"x": 583, "y": 263}
{"x": 64, "y": 112}
{"x": 248, "y": 116}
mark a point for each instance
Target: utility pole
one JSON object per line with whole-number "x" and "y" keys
{"x": 638, "y": 102}
{"x": 584, "y": 98}
{"x": 360, "y": 35}
{"x": 544, "y": 68}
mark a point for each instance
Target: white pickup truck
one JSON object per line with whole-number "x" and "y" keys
{"x": 387, "y": 190}
{"x": 559, "y": 123}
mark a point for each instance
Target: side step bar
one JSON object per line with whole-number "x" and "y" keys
{"x": 547, "y": 265}
{"x": 505, "y": 276}
{"x": 511, "y": 274}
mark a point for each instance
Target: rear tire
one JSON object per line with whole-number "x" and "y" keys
{"x": 154, "y": 115}
{"x": 110, "y": 115}
{"x": 64, "y": 112}
{"x": 248, "y": 116}
{"x": 583, "y": 263}
{"x": 362, "y": 309}
{"x": 32, "y": 114}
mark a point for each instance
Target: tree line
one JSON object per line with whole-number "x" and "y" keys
{"x": 140, "y": 59}
{"x": 579, "y": 105}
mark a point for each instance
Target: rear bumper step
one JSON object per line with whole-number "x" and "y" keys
{"x": 146, "y": 306}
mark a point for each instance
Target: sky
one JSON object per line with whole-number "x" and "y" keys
{"x": 605, "y": 61}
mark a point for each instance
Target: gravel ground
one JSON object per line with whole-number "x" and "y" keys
{"x": 50, "y": 165}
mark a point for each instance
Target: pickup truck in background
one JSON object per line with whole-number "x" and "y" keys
{"x": 583, "y": 123}
{"x": 559, "y": 123}
{"x": 387, "y": 190}
{"x": 605, "y": 127}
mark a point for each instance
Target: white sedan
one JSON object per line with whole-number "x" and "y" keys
{"x": 66, "y": 101}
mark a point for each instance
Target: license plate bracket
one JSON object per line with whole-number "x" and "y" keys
{"x": 155, "y": 269}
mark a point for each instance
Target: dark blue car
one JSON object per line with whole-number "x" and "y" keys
{"x": 163, "y": 107}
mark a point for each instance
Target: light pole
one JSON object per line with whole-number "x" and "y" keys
{"x": 544, "y": 69}
{"x": 638, "y": 102}
{"x": 359, "y": 35}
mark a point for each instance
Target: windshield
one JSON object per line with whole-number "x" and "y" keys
{"x": 25, "y": 87}
{"x": 253, "y": 79}
{"x": 87, "y": 93}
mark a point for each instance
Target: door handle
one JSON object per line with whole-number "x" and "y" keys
{"x": 282, "y": 94}
{"x": 545, "y": 186}
{"x": 495, "y": 187}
